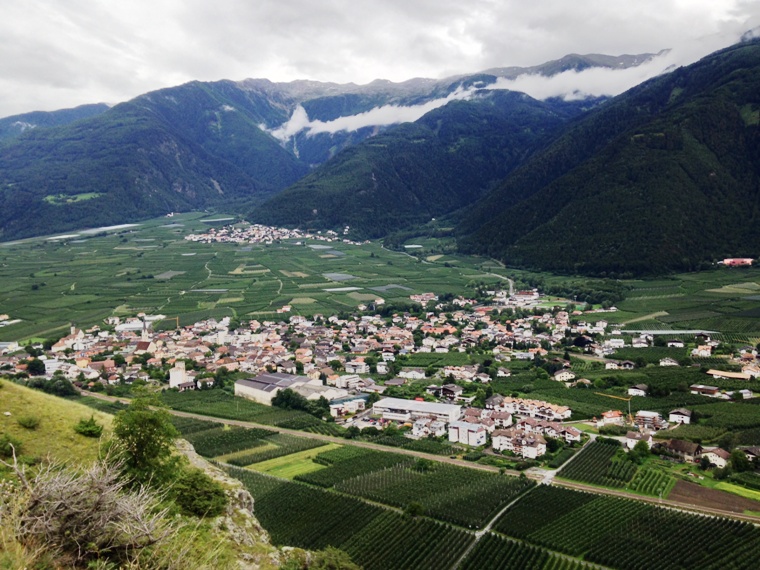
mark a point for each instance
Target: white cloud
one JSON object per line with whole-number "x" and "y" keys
{"x": 56, "y": 54}
{"x": 570, "y": 85}
{"x": 610, "y": 82}
{"x": 377, "y": 117}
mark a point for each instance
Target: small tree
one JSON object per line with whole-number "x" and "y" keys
{"x": 739, "y": 461}
{"x": 332, "y": 558}
{"x": 414, "y": 509}
{"x": 35, "y": 367}
{"x": 9, "y": 445}
{"x": 639, "y": 452}
{"x": 144, "y": 439}
{"x": 352, "y": 432}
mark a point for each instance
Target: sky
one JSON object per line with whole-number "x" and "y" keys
{"x": 61, "y": 53}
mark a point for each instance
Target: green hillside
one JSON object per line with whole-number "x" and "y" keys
{"x": 54, "y": 437}
{"x": 176, "y": 149}
{"x": 14, "y": 126}
{"x": 417, "y": 171}
{"x": 664, "y": 177}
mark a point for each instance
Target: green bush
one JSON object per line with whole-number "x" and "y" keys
{"x": 89, "y": 428}
{"x": 8, "y": 444}
{"x": 199, "y": 495}
{"x": 28, "y": 422}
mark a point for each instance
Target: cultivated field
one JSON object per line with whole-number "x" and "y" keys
{"x": 82, "y": 277}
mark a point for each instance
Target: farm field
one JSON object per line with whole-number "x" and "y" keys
{"x": 602, "y": 463}
{"x": 688, "y": 492}
{"x": 542, "y": 525}
{"x": 270, "y": 451}
{"x": 355, "y": 499}
{"x": 623, "y": 533}
{"x": 599, "y": 463}
{"x": 378, "y": 538}
{"x": 220, "y": 404}
{"x": 293, "y": 465}
{"x": 84, "y": 277}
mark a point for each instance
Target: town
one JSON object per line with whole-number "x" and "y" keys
{"x": 359, "y": 367}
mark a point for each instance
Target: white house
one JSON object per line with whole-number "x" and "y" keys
{"x": 178, "y": 374}
{"x": 614, "y": 343}
{"x": 348, "y": 407}
{"x": 345, "y": 382}
{"x": 527, "y": 445}
{"x": 412, "y": 373}
{"x": 357, "y": 366}
{"x": 611, "y": 418}
{"x": 639, "y": 342}
{"x": 633, "y": 437}
{"x": 564, "y": 376}
{"x": 424, "y": 427}
{"x": 638, "y": 390}
{"x": 680, "y": 416}
{"x": 718, "y": 457}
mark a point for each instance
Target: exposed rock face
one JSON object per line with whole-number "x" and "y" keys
{"x": 238, "y": 524}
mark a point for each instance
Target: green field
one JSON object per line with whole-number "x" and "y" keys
{"x": 83, "y": 278}
{"x": 60, "y": 199}
{"x": 290, "y": 466}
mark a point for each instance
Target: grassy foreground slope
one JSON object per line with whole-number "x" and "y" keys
{"x": 54, "y": 437}
{"x": 182, "y": 541}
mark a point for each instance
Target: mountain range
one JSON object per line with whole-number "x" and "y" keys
{"x": 662, "y": 177}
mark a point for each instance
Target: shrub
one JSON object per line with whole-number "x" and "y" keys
{"x": 9, "y": 444}
{"x": 613, "y": 430}
{"x": 89, "y": 428}
{"x": 199, "y": 495}
{"x": 28, "y": 422}
{"x": 414, "y": 509}
{"x": 83, "y": 517}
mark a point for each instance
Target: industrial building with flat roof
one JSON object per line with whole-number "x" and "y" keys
{"x": 265, "y": 387}
{"x": 405, "y": 410}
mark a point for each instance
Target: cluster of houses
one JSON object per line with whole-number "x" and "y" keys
{"x": 309, "y": 346}
{"x": 645, "y": 421}
{"x": 257, "y": 233}
{"x": 325, "y": 357}
{"x": 514, "y": 424}
{"x": 688, "y": 451}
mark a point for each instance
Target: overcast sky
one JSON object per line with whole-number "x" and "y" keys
{"x": 61, "y": 53}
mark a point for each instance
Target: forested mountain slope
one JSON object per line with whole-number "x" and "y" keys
{"x": 417, "y": 171}
{"x": 663, "y": 177}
